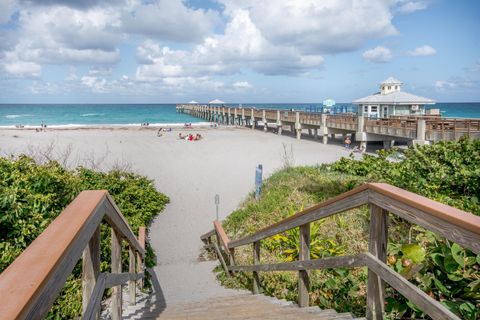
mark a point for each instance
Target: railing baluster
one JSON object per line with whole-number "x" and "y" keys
{"x": 141, "y": 240}
{"x": 303, "y": 276}
{"x": 131, "y": 269}
{"x": 256, "y": 260}
{"x": 90, "y": 267}
{"x": 378, "y": 248}
{"x": 231, "y": 256}
{"x": 116, "y": 268}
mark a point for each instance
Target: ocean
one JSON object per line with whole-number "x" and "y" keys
{"x": 64, "y": 115}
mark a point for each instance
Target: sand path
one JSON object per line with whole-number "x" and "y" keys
{"x": 190, "y": 173}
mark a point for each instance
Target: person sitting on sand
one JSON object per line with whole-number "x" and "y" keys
{"x": 190, "y": 137}
{"x": 180, "y": 136}
{"x": 159, "y": 132}
{"x": 198, "y": 136}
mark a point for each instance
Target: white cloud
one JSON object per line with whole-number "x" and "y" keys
{"x": 241, "y": 85}
{"x": 62, "y": 35}
{"x": 170, "y": 20}
{"x": 378, "y": 55}
{"x": 441, "y": 84}
{"x": 241, "y": 46}
{"x": 422, "y": 51}
{"x": 317, "y": 27}
{"x": 96, "y": 84}
{"x": 6, "y": 10}
{"x": 412, "y": 6}
{"x": 23, "y": 69}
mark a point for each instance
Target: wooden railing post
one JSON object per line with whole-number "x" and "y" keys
{"x": 140, "y": 267}
{"x": 256, "y": 260}
{"x": 131, "y": 269}
{"x": 90, "y": 267}
{"x": 378, "y": 248}
{"x": 303, "y": 277}
{"x": 116, "y": 268}
{"x": 231, "y": 256}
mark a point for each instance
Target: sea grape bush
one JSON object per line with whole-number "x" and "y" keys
{"x": 32, "y": 195}
{"x": 448, "y": 172}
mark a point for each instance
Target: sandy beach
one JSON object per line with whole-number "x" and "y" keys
{"x": 189, "y": 172}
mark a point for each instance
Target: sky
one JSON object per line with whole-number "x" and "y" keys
{"x": 239, "y": 51}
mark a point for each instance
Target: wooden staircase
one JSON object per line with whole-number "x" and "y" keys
{"x": 241, "y": 306}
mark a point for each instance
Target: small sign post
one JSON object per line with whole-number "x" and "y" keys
{"x": 258, "y": 181}
{"x": 217, "y": 202}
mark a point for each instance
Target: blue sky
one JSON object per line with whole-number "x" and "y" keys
{"x": 166, "y": 51}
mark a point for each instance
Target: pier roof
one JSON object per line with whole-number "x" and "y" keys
{"x": 396, "y": 97}
{"x": 391, "y": 80}
{"x": 216, "y": 101}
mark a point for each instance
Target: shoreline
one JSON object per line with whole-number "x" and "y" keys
{"x": 132, "y": 126}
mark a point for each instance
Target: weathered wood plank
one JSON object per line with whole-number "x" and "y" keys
{"x": 417, "y": 215}
{"x": 140, "y": 266}
{"x": 207, "y": 235}
{"x": 422, "y": 300}
{"x": 132, "y": 282}
{"x": 325, "y": 263}
{"x": 348, "y": 200}
{"x": 28, "y": 293}
{"x": 378, "y": 248}
{"x": 303, "y": 276}
{"x": 460, "y": 218}
{"x": 222, "y": 236}
{"x": 90, "y": 267}
{"x": 220, "y": 257}
{"x": 116, "y": 266}
{"x": 116, "y": 279}
{"x": 119, "y": 223}
{"x": 256, "y": 261}
{"x": 93, "y": 307}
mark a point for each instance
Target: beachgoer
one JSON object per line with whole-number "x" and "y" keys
{"x": 190, "y": 137}
{"x": 159, "y": 132}
{"x": 347, "y": 142}
{"x": 180, "y": 136}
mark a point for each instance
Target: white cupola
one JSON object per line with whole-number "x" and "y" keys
{"x": 390, "y": 85}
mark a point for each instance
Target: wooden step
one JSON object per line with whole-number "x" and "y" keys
{"x": 236, "y": 307}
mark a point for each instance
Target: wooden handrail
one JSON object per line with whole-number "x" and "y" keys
{"x": 348, "y": 200}
{"x": 459, "y": 218}
{"x": 225, "y": 241}
{"x": 454, "y": 224}
{"x": 30, "y": 284}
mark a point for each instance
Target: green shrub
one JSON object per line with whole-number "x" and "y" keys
{"x": 448, "y": 172}
{"x": 32, "y": 195}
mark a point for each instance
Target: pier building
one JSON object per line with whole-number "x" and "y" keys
{"x": 392, "y": 101}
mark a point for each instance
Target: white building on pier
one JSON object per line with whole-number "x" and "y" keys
{"x": 391, "y": 101}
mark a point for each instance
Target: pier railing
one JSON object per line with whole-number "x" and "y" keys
{"x": 451, "y": 129}
{"x": 383, "y": 199}
{"x": 30, "y": 285}
{"x": 408, "y": 127}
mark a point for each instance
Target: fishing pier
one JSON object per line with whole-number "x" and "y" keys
{"x": 412, "y": 129}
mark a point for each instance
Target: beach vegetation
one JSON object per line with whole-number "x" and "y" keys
{"x": 33, "y": 194}
{"x": 448, "y": 172}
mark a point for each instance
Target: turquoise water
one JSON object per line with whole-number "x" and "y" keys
{"x": 135, "y": 114}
